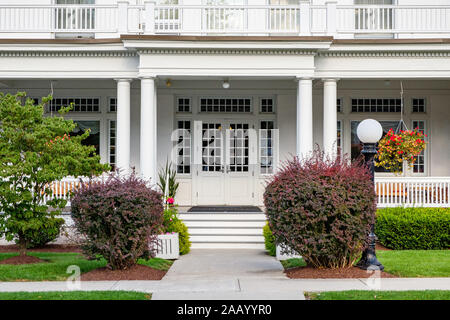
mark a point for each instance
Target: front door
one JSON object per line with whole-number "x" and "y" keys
{"x": 225, "y": 176}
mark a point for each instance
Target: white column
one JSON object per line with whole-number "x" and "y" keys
{"x": 123, "y": 124}
{"x": 148, "y": 140}
{"x": 304, "y": 118}
{"x": 329, "y": 117}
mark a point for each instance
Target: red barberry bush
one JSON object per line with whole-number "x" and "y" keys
{"x": 322, "y": 209}
{"x": 118, "y": 219}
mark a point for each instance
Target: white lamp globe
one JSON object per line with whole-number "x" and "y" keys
{"x": 369, "y": 131}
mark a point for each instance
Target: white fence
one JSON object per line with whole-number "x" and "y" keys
{"x": 413, "y": 192}
{"x": 168, "y": 246}
{"x": 340, "y": 21}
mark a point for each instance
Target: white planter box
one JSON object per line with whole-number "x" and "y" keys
{"x": 284, "y": 256}
{"x": 168, "y": 246}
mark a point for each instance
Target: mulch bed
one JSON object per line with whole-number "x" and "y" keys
{"x": 22, "y": 260}
{"x": 137, "y": 272}
{"x": 342, "y": 273}
{"x": 46, "y": 248}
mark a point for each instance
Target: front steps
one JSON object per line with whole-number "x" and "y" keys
{"x": 218, "y": 230}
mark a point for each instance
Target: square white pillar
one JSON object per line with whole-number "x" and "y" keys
{"x": 330, "y": 117}
{"x": 304, "y": 118}
{"x": 148, "y": 140}
{"x": 123, "y": 125}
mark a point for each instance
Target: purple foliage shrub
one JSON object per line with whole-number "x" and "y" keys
{"x": 118, "y": 219}
{"x": 322, "y": 209}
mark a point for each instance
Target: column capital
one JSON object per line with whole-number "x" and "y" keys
{"x": 303, "y": 78}
{"x": 334, "y": 80}
{"x": 151, "y": 77}
{"x": 123, "y": 79}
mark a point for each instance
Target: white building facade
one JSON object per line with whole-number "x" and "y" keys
{"x": 138, "y": 70}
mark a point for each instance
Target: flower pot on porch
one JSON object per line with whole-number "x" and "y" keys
{"x": 168, "y": 246}
{"x": 283, "y": 252}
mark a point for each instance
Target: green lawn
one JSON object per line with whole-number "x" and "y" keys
{"x": 76, "y": 295}
{"x": 380, "y": 295}
{"x": 405, "y": 263}
{"x": 55, "y": 268}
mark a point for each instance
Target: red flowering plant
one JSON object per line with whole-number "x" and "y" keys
{"x": 395, "y": 148}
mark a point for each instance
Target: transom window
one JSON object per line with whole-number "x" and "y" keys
{"x": 376, "y": 105}
{"x": 418, "y": 105}
{"x": 419, "y": 165}
{"x": 112, "y": 105}
{"x": 183, "y": 147}
{"x": 267, "y": 105}
{"x": 339, "y": 105}
{"x": 240, "y": 105}
{"x": 183, "y": 105}
{"x": 79, "y": 104}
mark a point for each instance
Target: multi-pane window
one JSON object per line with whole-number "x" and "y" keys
{"x": 240, "y": 105}
{"x": 376, "y": 105}
{"x": 266, "y": 146}
{"x": 418, "y": 105}
{"x": 419, "y": 165}
{"x": 183, "y": 105}
{"x": 339, "y": 105}
{"x": 112, "y": 143}
{"x": 79, "y": 104}
{"x": 267, "y": 105}
{"x": 212, "y": 145}
{"x": 94, "y": 137}
{"x": 239, "y": 147}
{"x": 112, "y": 105}
{"x": 339, "y": 137}
{"x": 183, "y": 147}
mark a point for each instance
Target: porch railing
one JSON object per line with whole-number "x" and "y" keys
{"x": 340, "y": 21}
{"x": 391, "y": 192}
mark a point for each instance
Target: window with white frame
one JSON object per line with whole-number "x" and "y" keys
{"x": 339, "y": 105}
{"x": 376, "y": 105}
{"x": 419, "y": 165}
{"x": 418, "y": 105}
{"x": 267, "y": 105}
{"x": 79, "y": 104}
{"x": 94, "y": 136}
{"x": 112, "y": 143}
{"x": 266, "y": 158}
{"x": 339, "y": 137}
{"x": 183, "y": 147}
{"x": 238, "y": 105}
{"x": 183, "y": 104}
{"x": 112, "y": 107}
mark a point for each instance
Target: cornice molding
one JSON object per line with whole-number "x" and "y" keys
{"x": 111, "y": 54}
{"x": 229, "y": 51}
{"x": 352, "y": 54}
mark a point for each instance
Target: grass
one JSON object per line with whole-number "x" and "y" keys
{"x": 76, "y": 295}
{"x": 55, "y": 268}
{"x": 380, "y": 295}
{"x": 404, "y": 263}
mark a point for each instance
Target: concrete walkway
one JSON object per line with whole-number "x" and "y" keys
{"x": 233, "y": 275}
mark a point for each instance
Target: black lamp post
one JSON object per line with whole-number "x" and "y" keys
{"x": 369, "y": 133}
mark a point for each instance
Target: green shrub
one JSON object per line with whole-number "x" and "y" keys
{"x": 413, "y": 228}
{"x": 172, "y": 223}
{"x": 48, "y": 232}
{"x": 269, "y": 240}
{"x": 322, "y": 209}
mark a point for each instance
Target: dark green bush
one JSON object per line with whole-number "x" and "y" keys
{"x": 413, "y": 228}
{"x": 173, "y": 224}
{"x": 118, "y": 219}
{"x": 269, "y": 240}
{"x": 322, "y": 209}
{"x": 46, "y": 232}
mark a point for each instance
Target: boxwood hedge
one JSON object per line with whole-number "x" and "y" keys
{"x": 413, "y": 228}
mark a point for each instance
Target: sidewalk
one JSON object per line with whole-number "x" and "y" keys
{"x": 233, "y": 275}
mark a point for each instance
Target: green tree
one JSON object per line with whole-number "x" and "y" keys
{"x": 36, "y": 150}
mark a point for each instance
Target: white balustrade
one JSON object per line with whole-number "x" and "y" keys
{"x": 413, "y": 192}
{"x": 303, "y": 19}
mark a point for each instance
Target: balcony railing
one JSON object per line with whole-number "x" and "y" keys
{"x": 303, "y": 19}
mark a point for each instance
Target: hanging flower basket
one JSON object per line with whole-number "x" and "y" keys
{"x": 394, "y": 149}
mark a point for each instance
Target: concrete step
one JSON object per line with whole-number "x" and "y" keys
{"x": 223, "y": 216}
{"x": 227, "y": 238}
{"x": 224, "y": 224}
{"x": 226, "y": 245}
{"x": 226, "y": 231}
